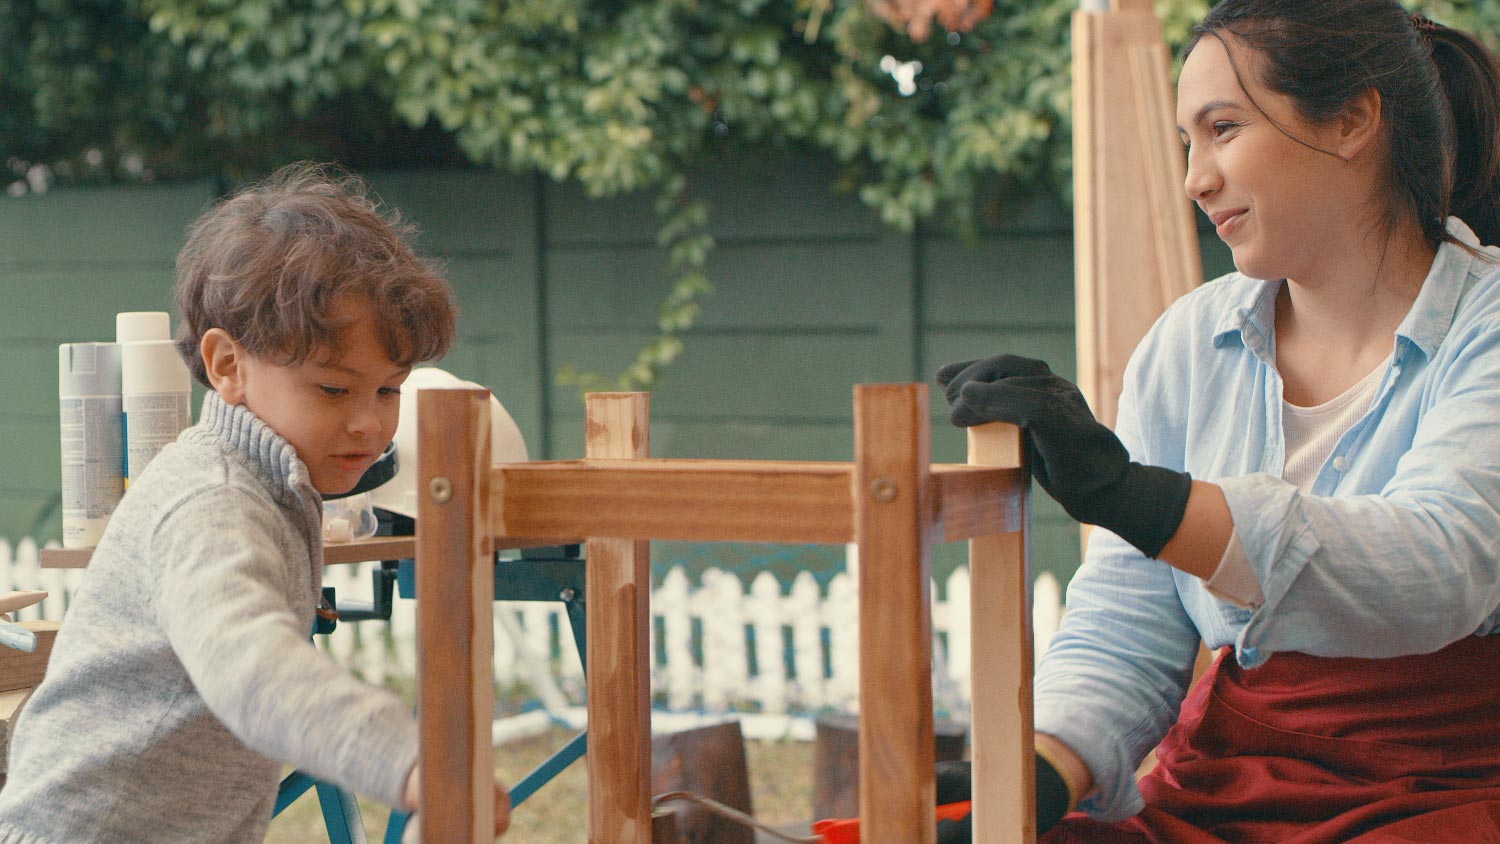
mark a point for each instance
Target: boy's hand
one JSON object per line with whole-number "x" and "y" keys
{"x": 502, "y": 810}
{"x": 413, "y": 795}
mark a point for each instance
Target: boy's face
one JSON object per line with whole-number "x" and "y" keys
{"x": 338, "y": 414}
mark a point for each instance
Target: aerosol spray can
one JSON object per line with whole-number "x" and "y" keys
{"x": 157, "y": 397}
{"x": 93, "y": 456}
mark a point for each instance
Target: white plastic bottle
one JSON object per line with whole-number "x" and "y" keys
{"x": 135, "y": 326}
{"x": 93, "y": 459}
{"x": 157, "y": 398}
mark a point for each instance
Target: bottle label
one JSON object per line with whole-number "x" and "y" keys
{"x": 92, "y": 460}
{"x": 151, "y": 421}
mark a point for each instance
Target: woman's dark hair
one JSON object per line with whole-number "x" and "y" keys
{"x": 1439, "y": 93}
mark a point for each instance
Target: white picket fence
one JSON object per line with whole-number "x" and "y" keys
{"x": 716, "y": 646}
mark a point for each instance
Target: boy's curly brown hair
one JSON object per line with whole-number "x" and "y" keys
{"x": 268, "y": 264}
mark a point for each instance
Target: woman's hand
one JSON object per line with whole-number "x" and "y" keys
{"x": 1079, "y": 462}
{"x": 954, "y": 782}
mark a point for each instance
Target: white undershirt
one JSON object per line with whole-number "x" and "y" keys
{"x": 1310, "y": 434}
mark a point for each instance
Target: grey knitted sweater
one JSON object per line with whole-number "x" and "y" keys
{"x": 182, "y": 676}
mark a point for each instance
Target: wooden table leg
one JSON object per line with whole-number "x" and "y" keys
{"x": 1002, "y": 660}
{"x": 618, "y": 589}
{"x": 893, "y": 526}
{"x": 455, "y": 591}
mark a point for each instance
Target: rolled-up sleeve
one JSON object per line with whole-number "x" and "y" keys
{"x": 1409, "y": 569}
{"x": 1116, "y": 672}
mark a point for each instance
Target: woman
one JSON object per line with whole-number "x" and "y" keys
{"x": 1307, "y": 469}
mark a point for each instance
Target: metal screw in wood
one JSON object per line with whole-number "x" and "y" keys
{"x": 883, "y": 490}
{"x": 441, "y": 489}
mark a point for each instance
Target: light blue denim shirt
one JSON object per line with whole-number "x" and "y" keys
{"x": 1396, "y": 549}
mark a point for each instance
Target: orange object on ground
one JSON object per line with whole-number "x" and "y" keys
{"x": 846, "y": 831}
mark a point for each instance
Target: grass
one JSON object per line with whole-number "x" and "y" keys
{"x": 780, "y": 787}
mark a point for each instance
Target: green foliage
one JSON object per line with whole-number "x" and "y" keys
{"x": 617, "y": 95}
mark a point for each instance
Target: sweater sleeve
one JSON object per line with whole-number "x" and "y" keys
{"x": 223, "y": 604}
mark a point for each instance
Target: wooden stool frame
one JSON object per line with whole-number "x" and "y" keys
{"x": 890, "y": 501}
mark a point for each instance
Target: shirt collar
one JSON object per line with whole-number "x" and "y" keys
{"x": 1251, "y": 315}
{"x": 267, "y": 453}
{"x": 1252, "y": 312}
{"x": 1431, "y": 315}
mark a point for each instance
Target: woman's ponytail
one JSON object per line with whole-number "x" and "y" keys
{"x": 1471, "y": 80}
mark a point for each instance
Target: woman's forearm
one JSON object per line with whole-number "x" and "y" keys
{"x": 1200, "y": 540}
{"x": 1074, "y": 771}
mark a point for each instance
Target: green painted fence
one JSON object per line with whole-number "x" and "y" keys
{"x": 813, "y": 295}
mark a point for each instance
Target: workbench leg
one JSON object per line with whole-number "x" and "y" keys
{"x": 1002, "y": 660}
{"x": 618, "y": 585}
{"x": 341, "y": 815}
{"x": 455, "y": 589}
{"x": 893, "y": 526}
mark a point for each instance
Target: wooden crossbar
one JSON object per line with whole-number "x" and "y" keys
{"x": 890, "y": 500}
{"x": 727, "y": 500}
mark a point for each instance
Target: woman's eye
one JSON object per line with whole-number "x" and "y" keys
{"x": 1223, "y": 126}
{"x": 330, "y": 390}
{"x": 390, "y": 391}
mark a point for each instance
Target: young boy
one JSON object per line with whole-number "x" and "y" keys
{"x": 183, "y": 678}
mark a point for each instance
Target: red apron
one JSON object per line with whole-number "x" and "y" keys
{"x": 1308, "y": 750}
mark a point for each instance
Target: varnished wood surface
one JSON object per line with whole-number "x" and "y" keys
{"x": 728, "y": 500}
{"x": 1135, "y": 243}
{"x": 893, "y": 520}
{"x": 455, "y": 645}
{"x": 618, "y": 585}
{"x": 1001, "y": 658}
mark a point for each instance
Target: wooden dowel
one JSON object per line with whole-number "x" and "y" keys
{"x": 893, "y": 526}
{"x": 617, "y": 590}
{"x": 1001, "y": 661}
{"x": 455, "y": 590}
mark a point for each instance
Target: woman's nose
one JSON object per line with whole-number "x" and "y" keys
{"x": 1202, "y": 179}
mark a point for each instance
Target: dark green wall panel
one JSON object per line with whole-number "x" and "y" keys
{"x": 757, "y": 199}
{"x": 28, "y": 381}
{"x": 770, "y": 286}
{"x": 1026, "y": 280}
{"x": 755, "y": 376}
{"x": 108, "y": 228}
{"x": 67, "y": 302}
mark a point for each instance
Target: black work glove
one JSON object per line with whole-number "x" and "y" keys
{"x": 1079, "y": 462}
{"x": 954, "y": 781}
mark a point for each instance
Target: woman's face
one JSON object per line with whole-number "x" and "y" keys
{"x": 1275, "y": 202}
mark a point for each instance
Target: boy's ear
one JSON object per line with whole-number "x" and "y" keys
{"x": 224, "y": 361}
